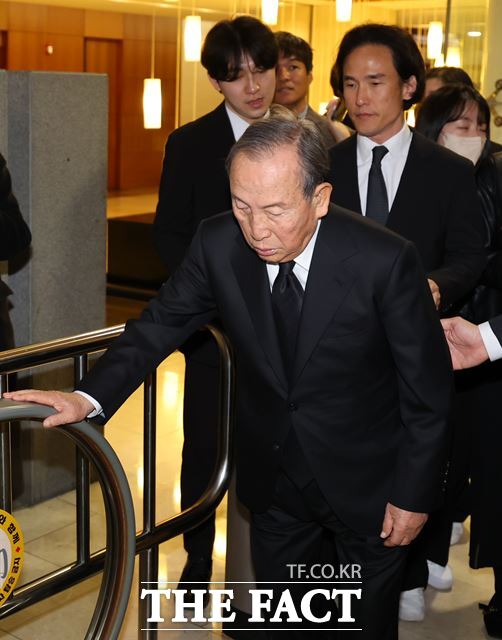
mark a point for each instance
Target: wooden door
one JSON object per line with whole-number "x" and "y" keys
{"x": 105, "y": 56}
{"x": 3, "y": 49}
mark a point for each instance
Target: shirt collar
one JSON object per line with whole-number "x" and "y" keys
{"x": 398, "y": 144}
{"x": 303, "y": 114}
{"x": 238, "y": 124}
{"x": 305, "y": 257}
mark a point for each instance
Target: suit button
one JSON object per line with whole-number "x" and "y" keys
{"x": 292, "y": 406}
{"x": 276, "y": 447}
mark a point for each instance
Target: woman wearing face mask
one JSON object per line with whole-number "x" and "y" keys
{"x": 458, "y": 117}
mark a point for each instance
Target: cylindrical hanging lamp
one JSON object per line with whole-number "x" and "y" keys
{"x": 152, "y": 92}
{"x": 343, "y": 10}
{"x": 434, "y": 40}
{"x": 192, "y": 38}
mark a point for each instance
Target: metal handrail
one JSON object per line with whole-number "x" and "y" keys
{"x": 32, "y": 355}
{"x": 153, "y": 533}
{"x": 120, "y": 522}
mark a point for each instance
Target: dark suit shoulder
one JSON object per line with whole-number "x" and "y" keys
{"x": 344, "y": 149}
{"x": 203, "y": 131}
{"x": 221, "y": 227}
{"x": 366, "y": 233}
{"x": 496, "y": 326}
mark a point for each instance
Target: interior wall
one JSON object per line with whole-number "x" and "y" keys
{"x": 197, "y": 95}
{"x": 493, "y": 63}
{"x": 49, "y": 38}
{"x": 326, "y": 36}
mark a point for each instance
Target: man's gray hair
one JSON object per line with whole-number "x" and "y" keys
{"x": 282, "y": 128}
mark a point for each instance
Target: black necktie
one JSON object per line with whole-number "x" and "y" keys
{"x": 287, "y": 299}
{"x": 377, "y": 203}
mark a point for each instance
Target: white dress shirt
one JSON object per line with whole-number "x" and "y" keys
{"x": 238, "y": 124}
{"x": 392, "y": 163}
{"x": 302, "y": 263}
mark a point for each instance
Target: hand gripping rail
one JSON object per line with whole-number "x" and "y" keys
{"x": 120, "y": 523}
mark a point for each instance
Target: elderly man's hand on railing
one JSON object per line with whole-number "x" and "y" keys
{"x": 70, "y": 407}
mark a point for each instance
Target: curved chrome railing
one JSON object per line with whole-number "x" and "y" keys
{"x": 120, "y": 522}
{"x": 153, "y": 533}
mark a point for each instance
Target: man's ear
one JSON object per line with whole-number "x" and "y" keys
{"x": 215, "y": 83}
{"x": 409, "y": 88}
{"x": 321, "y": 198}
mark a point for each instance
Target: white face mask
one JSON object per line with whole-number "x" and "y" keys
{"x": 470, "y": 148}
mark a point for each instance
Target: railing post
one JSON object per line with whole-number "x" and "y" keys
{"x": 149, "y": 559}
{"x": 82, "y": 484}
{"x": 119, "y": 561}
{"x": 5, "y": 455}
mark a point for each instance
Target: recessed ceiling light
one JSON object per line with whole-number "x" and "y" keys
{"x": 474, "y": 34}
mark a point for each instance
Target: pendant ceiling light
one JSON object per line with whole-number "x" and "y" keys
{"x": 343, "y": 10}
{"x": 192, "y": 38}
{"x": 434, "y": 40}
{"x": 270, "y": 11}
{"x": 152, "y": 92}
{"x": 453, "y": 58}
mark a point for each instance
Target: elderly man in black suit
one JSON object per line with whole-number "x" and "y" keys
{"x": 343, "y": 372}
{"x": 240, "y": 57}
{"x": 411, "y": 185}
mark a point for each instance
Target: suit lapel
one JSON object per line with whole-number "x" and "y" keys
{"x": 218, "y": 133}
{"x": 344, "y": 176}
{"x": 330, "y": 279}
{"x": 411, "y": 182}
{"x": 252, "y": 277}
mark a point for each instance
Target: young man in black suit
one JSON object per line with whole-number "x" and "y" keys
{"x": 344, "y": 374}
{"x": 411, "y": 185}
{"x": 429, "y": 191}
{"x": 240, "y": 56}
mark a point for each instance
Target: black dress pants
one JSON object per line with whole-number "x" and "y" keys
{"x": 200, "y": 421}
{"x": 291, "y": 532}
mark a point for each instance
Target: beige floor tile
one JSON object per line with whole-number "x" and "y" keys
{"x": 65, "y": 616}
{"x": 59, "y": 548}
{"x": 44, "y": 518}
{"x": 34, "y": 568}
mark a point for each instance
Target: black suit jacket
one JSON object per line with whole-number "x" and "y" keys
{"x": 194, "y": 183}
{"x": 496, "y": 325}
{"x": 436, "y": 207}
{"x": 14, "y": 237}
{"x": 369, "y": 392}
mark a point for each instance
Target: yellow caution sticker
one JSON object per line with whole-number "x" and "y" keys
{"x": 11, "y": 554}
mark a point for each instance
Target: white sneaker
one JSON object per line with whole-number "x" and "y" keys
{"x": 457, "y": 531}
{"x": 412, "y": 605}
{"x": 440, "y": 577}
